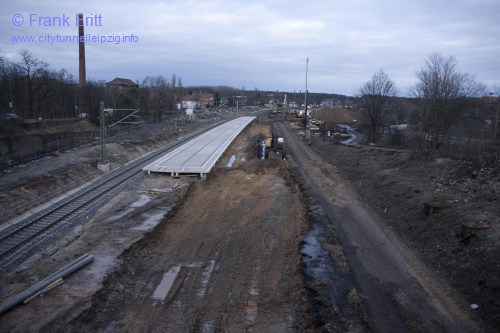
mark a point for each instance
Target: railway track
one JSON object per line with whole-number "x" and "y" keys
{"x": 16, "y": 240}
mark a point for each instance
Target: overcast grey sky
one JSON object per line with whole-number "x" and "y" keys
{"x": 262, "y": 44}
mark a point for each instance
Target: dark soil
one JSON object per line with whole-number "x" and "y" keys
{"x": 447, "y": 211}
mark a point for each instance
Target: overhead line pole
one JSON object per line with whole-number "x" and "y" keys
{"x": 305, "y": 102}
{"x": 102, "y": 128}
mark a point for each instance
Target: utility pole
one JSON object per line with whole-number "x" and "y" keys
{"x": 286, "y": 106}
{"x": 305, "y": 102}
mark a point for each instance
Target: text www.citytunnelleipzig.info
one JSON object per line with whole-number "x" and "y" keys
{"x": 87, "y": 38}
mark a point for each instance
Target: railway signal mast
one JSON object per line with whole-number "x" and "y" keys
{"x": 104, "y": 165}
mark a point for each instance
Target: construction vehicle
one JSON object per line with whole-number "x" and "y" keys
{"x": 313, "y": 128}
{"x": 275, "y": 146}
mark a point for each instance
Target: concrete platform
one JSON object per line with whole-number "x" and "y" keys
{"x": 199, "y": 155}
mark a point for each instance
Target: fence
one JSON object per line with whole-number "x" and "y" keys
{"x": 459, "y": 145}
{"x": 77, "y": 140}
{"x": 169, "y": 127}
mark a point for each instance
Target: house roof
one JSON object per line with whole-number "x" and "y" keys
{"x": 490, "y": 99}
{"x": 187, "y": 98}
{"x": 203, "y": 98}
{"x": 121, "y": 82}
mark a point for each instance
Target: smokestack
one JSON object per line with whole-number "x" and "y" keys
{"x": 81, "y": 48}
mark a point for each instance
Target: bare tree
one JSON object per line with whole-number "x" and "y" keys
{"x": 495, "y": 116}
{"x": 375, "y": 97}
{"x": 444, "y": 94}
{"x": 5, "y": 84}
{"x": 65, "y": 87}
{"x": 173, "y": 81}
{"x": 3, "y": 67}
{"x": 32, "y": 69}
{"x": 158, "y": 91}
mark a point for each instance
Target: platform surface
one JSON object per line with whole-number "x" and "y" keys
{"x": 200, "y": 154}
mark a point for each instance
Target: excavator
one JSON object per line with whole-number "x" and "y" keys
{"x": 275, "y": 146}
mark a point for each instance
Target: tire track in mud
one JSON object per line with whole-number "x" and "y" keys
{"x": 394, "y": 298}
{"x": 231, "y": 250}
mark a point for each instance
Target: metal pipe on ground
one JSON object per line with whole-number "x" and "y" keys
{"x": 44, "y": 290}
{"x": 61, "y": 273}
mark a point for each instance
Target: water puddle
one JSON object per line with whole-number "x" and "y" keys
{"x": 314, "y": 256}
{"x": 144, "y": 199}
{"x": 207, "y": 326}
{"x": 110, "y": 328}
{"x": 319, "y": 267}
{"x": 120, "y": 215}
{"x": 160, "y": 190}
{"x": 101, "y": 265}
{"x": 253, "y": 297}
{"x": 251, "y": 311}
{"x": 166, "y": 283}
{"x": 205, "y": 278}
{"x": 194, "y": 264}
{"x": 151, "y": 221}
{"x": 231, "y": 161}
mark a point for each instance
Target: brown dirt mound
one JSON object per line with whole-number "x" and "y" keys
{"x": 337, "y": 115}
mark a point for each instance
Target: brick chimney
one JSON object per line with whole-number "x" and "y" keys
{"x": 81, "y": 49}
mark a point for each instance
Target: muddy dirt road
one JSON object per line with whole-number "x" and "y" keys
{"x": 225, "y": 259}
{"x": 263, "y": 246}
{"x": 399, "y": 297}
{"x": 223, "y": 262}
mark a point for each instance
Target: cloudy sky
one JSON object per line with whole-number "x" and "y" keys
{"x": 262, "y": 44}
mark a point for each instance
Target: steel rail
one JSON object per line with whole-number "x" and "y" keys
{"x": 63, "y": 211}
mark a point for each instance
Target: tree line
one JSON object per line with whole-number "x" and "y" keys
{"x": 446, "y": 107}
{"x": 32, "y": 89}
{"x": 450, "y": 111}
